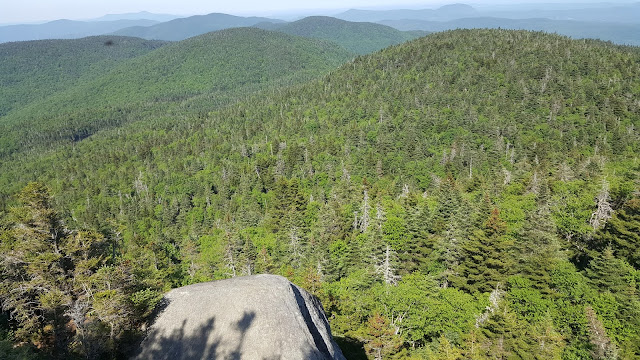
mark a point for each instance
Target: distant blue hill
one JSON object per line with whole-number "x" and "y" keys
{"x": 626, "y": 34}
{"x": 447, "y": 12}
{"x": 66, "y": 29}
{"x": 357, "y": 37}
{"x": 618, "y": 13}
{"x": 183, "y": 28}
{"x": 615, "y": 13}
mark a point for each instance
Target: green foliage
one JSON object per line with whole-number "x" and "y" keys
{"x": 408, "y": 149}
{"x": 622, "y": 233}
{"x": 618, "y": 302}
{"x": 527, "y": 302}
{"x": 186, "y": 74}
{"x": 33, "y": 70}
{"x": 485, "y": 256}
{"x": 59, "y": 287}
{"x": 144, "y": 302}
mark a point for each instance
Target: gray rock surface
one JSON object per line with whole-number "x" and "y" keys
{"x": 255, "y": 317}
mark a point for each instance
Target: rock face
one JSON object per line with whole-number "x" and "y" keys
{"x": 262, "y": 317}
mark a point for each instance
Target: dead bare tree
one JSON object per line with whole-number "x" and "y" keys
{"x": 604, "y": 210}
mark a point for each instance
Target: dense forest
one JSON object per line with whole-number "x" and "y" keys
{"x": 33, "y": 70}
{"x": 471, "y": 194}
{"x": 201, "y": 72}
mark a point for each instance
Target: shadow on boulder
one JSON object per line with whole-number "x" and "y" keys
{"x": 261, "y": 317}
{"x": 177, "y": 345}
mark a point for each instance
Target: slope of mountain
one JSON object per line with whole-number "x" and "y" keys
{"x": 620, "y": 33}
{"x": 209, "y": 69}
{"x": 183, "y": 28}
{"x": 66, "y": 29}
{"x": 455, "y": 180}
{"x": 357, "y": 37}
{"x": 32, "y": 70}
{"x": 444, "y": 13}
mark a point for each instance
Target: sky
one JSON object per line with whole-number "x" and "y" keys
{"x": 25, "y": 11}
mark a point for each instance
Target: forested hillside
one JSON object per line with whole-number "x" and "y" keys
{"x": 33, "y": 70}
{"x": 197, "y": 74}
{"x": 359, "y": 38}
{"x": 470, "y": 194}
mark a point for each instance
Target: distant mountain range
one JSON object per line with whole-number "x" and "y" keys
{"x": 33, "y": 70}
{"x": 203, "y": 71}
{"x": 629, "y": 13}
{"x": 619, "y": 23}
{"x": 627, "y": 34}
{"x": 444, "y": 13}
{"x": 614, "y": 13}
{"x": 66, "y": 29}
{"x": 357, "y": 37}
{"x": 180, "y": 29}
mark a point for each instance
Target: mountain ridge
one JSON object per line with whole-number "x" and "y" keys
{"x": 183, "y": 28}
{"x": 623, "y": 34}
{"x": 65, "y": 29}
{"x": 443, "y": 13}
{"x": 358, "y": 37}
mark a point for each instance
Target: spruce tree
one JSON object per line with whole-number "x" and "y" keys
{"x": 537, "y": 248}
{"x": 485, "y": 261}
{"x": 34, "y": 268}
{"x": 616, "y": 277}
{"x": 622, "y": 233}
{"x": 417, "y": 246}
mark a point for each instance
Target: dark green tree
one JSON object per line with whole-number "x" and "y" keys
{"x": 485, "y": 259}
{"x": 622, "y": 233}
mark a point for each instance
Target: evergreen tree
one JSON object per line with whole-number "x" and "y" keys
{"x": 448, "y": 205}
{"x": 418, "y": 224}
{"x": 622, "y": 233}
{"x": 537, "y": 247}
{"x": 35, "y": 269}
{"x": 615, "y": 278}
{"x": 52, "y": 277}
{"x": 485, "y": 260}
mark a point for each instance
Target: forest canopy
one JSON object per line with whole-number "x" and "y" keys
{"x": 469, "y": 194}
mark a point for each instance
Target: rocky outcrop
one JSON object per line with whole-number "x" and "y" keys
{"x": 253, "y": 317}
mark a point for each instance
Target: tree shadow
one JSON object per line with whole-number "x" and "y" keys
{"x": 177, "y": 345}
{"x": 184, "y": 344}
{"x": 242, "y": 326}
{"x": 352, "y": 349}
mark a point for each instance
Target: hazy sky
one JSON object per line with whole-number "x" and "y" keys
{"x": 18, "y": 11}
